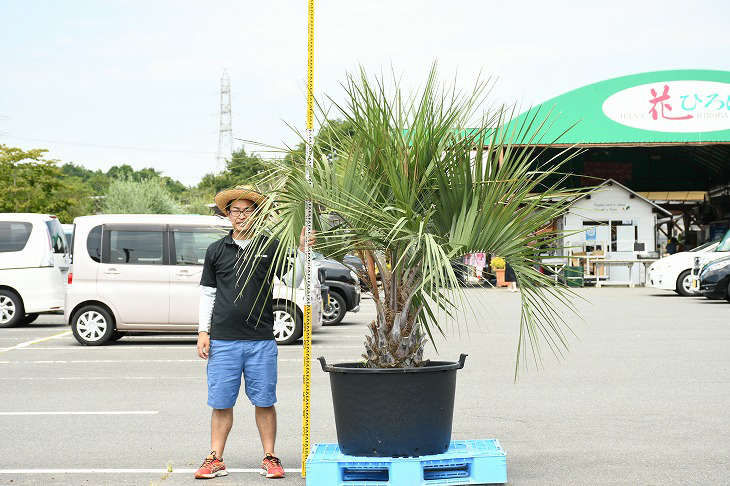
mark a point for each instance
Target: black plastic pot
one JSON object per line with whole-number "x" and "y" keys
{"x": 401, "y": 412}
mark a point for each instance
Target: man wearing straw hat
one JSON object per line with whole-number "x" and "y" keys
{"x": 235, "y": 332}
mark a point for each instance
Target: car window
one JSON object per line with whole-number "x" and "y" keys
{"x": 725, "y": 243}
{"x": 58, "y": 238}
{"x": 135, "y": 247}
{"x": 14, "y": 235}
{"x": 93, "y": 244}
{"x": 191, "y": 244}
{"x": 704, "y": 245}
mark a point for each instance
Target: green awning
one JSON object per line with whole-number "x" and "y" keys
{"x": 658, "y": 108}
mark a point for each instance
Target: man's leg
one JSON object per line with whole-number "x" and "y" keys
{"x": 225, "y": 365}
{"x": 266, "y": 423}
{"x": 220, "y": 426}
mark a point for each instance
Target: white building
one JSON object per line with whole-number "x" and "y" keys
{"x": 612, "y": 223}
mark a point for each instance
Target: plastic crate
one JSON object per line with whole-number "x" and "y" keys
{"x": 573, "y": 276}
{"x": 466, "y": 462}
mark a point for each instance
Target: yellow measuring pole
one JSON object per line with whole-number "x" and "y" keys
{"x": 307, "y": 345}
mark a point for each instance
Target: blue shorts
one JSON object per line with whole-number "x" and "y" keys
{"x": 255, "y": 360}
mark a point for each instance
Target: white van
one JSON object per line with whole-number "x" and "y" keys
{"x": 34, "y": 262}
{"x": 134, "y": 272}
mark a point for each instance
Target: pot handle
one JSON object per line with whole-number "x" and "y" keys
{"x": 462, "y": 359}
{"x": 325, "y": 367}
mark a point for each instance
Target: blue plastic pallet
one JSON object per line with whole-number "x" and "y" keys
{"x": 466, "y": 462}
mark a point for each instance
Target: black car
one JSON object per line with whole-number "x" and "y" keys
{"x": 344, "y": 289}
{"x": 715, "y": 279}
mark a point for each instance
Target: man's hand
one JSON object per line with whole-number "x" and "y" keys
{"x": 203, "y": 344}
{"x": 303, "y": 238}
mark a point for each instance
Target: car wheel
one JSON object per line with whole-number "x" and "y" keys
{"x": 334, "y": 311}
{"x": 92, "y": 326}
{"x": 684, "y": 283}
{"x": 727, "y": 294}
{"x": 11, "y": 309}
{"x": 288, "y": 326}
{"x": 27, "y": 319}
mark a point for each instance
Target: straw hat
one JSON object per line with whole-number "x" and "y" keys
{"x": 223, "y": 198}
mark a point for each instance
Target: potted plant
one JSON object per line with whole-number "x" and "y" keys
{"x": 498, "y": 265}
{"x": 409, "y": 187}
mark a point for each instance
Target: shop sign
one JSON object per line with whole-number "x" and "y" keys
{"x": 672, "y": 106}
{"x": 611, "y": 206}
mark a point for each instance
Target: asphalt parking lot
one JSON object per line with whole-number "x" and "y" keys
{"x": 641, "y": 398}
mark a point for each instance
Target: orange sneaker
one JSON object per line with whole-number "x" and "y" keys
{"x": 271, "y": 467}
{"x": 212, "y": 467}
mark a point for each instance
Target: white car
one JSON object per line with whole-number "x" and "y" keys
{"x": 133, "y": 273}
{"x": 674, "y": 272}
{"x": 34, "y": 262}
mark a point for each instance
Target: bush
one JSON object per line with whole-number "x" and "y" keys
{"x": 126, "y": 196}
{"x": 497, "y": 263}
{"x": 198, "y": 205}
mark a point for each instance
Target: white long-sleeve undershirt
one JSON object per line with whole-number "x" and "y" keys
{"x": 293, "y": 278}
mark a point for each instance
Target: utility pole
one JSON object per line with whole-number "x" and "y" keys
{"x": 225, "y": 135}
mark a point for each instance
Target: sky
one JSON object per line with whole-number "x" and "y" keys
{"x": 103, "y": 83}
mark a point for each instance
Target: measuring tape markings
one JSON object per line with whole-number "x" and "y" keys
{"x": 307, "y": 344}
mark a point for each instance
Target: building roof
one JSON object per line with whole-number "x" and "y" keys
{"x": 674, "y": 197}
{"x": 611, "y": 182}
{"x": 675, "y": 107}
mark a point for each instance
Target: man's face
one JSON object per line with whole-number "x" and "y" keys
{"x": 241, "y": 215}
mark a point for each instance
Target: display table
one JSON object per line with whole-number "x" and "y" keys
{"x": 627, "y": 263}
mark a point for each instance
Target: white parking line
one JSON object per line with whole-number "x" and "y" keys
{"x": 197, "y": 360}
{"x": 156, "y": 346}
{"x": 116, "y": 378}
{"x": 32, "y": 329}
{"x": 106, "y": 361}
{"x": 338, "y": 336}
{"x": 124, "y": 471}
{"x": 107, "y": 348}
{"x": 28, "y": 343}
{"x": 129, "y": 412}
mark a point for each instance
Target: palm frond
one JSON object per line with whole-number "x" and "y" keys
{"x": 415, "y": 185}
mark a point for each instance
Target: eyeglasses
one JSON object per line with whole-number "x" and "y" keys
{"x": 237, "y": 212}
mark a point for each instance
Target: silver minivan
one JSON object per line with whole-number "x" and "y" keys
{"x": 134, "y": 272}
{"x": 34, "y": 263}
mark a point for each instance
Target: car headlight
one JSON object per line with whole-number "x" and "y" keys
{"x": 354, "y": 277}
{"x": 712, "y": 267}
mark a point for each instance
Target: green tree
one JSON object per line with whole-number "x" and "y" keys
{"x": 148, "y": 196}
{"x": 213, "y": 183}
{"x": 240, "y": 169}
{"x": 97, "y": 181}
{"x": 126, "y": 171}
{"x": 330, "y": 136}
{"x": 35, "y": 185}
{"x": 243, "y": 166}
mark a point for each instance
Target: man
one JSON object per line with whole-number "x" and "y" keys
{"x": 235, "y": 332}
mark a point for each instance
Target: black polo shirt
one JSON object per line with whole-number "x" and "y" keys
{"x": 243, "y": 278}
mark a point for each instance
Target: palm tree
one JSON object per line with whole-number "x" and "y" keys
{"x": 410, "y": 188}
